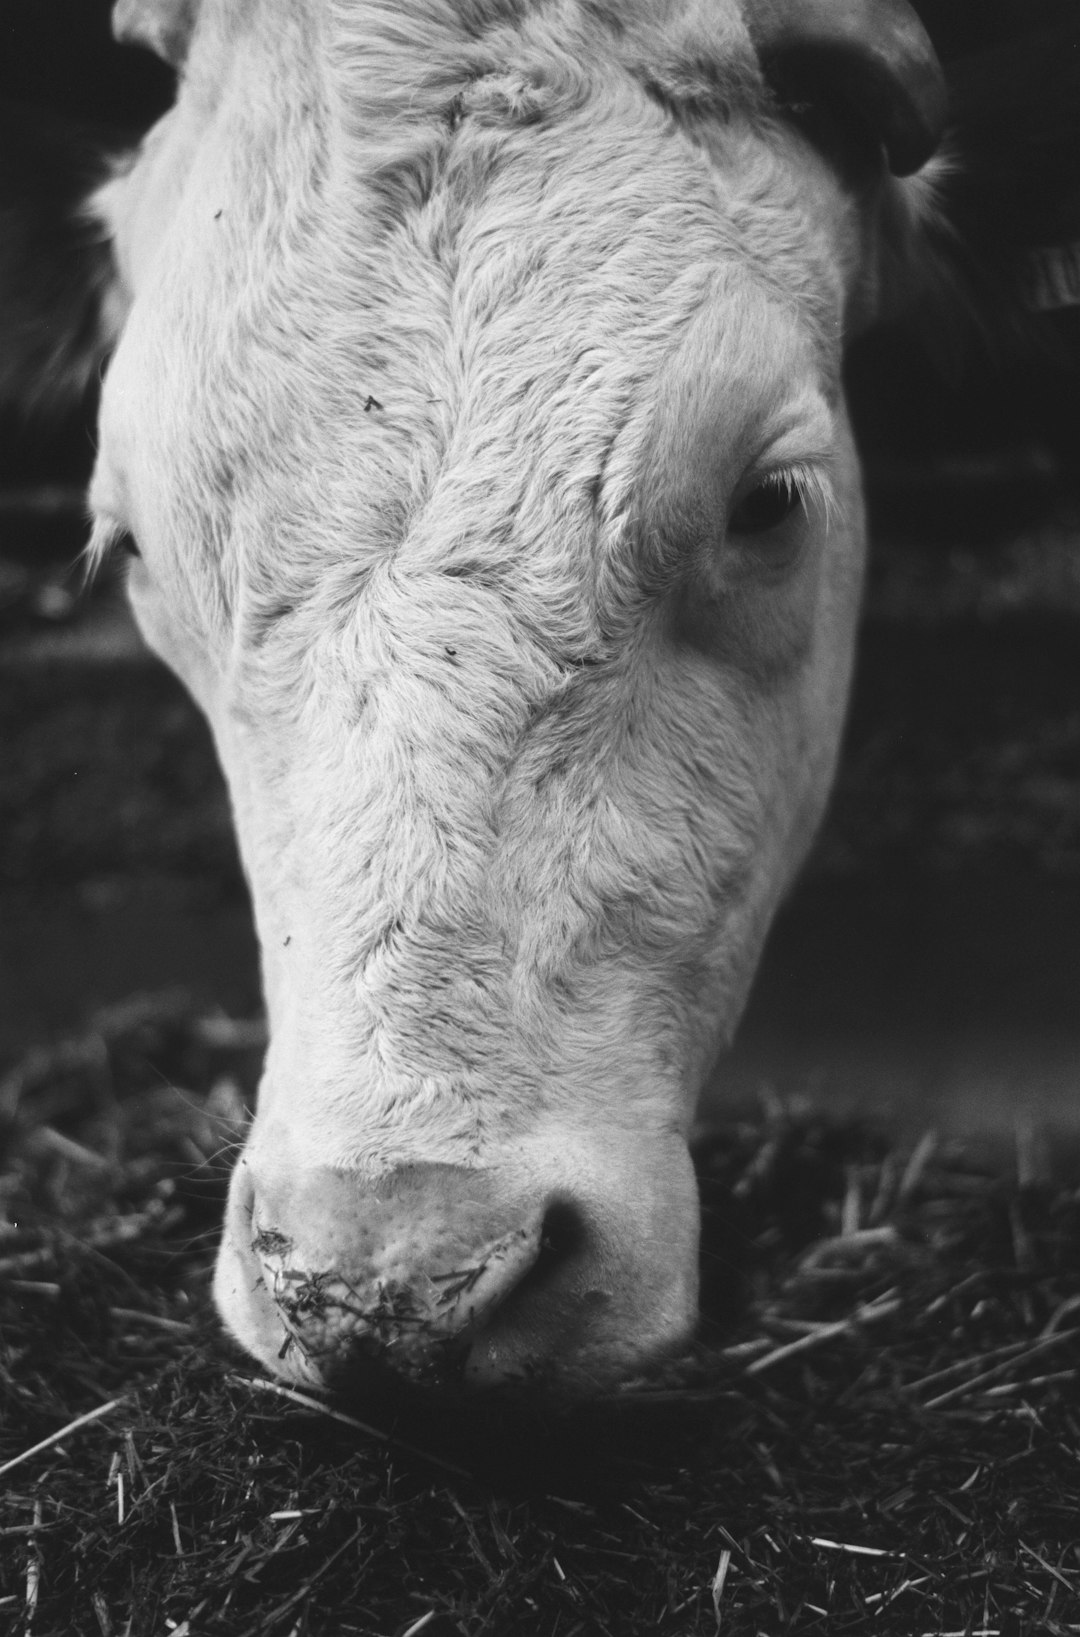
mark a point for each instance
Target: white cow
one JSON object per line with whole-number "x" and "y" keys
{"x": 477, "y": 416}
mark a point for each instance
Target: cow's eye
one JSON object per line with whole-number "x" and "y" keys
{"x": 768, "y": 504}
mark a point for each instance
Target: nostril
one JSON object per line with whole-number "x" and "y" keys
{"x": 552, "y": 1309}
{"x": 563, "y": 1239}
{"x": 562, "y": 1235}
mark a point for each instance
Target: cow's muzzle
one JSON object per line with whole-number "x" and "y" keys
{"x": 441, "y": 1272}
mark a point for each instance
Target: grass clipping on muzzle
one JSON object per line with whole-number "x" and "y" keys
{"x": 878, "y": 1431}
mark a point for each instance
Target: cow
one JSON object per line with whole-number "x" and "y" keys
{"x": 475, "y": 425}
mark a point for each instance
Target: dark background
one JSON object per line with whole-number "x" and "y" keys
{"x": 931, "y": 958}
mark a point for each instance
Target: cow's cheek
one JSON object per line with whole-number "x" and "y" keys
{"x": 174, "y": 644}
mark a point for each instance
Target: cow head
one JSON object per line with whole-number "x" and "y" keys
{"x": 477, "y": 418}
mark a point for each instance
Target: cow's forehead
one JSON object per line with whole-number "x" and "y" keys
{"x": 469, "y": 295}
{"x": 683, "y": 48}
{"x": 390, "y": 83}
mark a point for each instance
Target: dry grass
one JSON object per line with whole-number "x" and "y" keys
{"x": 877, "y": 1433}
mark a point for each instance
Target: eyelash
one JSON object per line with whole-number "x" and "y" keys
{"x": 777, "y": 495}
{"x": 768, "y": 504}
{"x": 107, "y": 538}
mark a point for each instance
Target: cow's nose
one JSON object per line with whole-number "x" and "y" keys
{"x": 435, "y": 1271}
{"x": 404, "y": 1269}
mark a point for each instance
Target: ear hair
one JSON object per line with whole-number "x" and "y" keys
{"x": 908, "y": 243}
{"x": 58, "y": 284}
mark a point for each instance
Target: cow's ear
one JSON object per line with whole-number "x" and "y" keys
{"x": 59, "y": 301}
{"x": 163, "y": 26}
{"x": 868, "y": 61}
{"x": 987, "y": 238}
